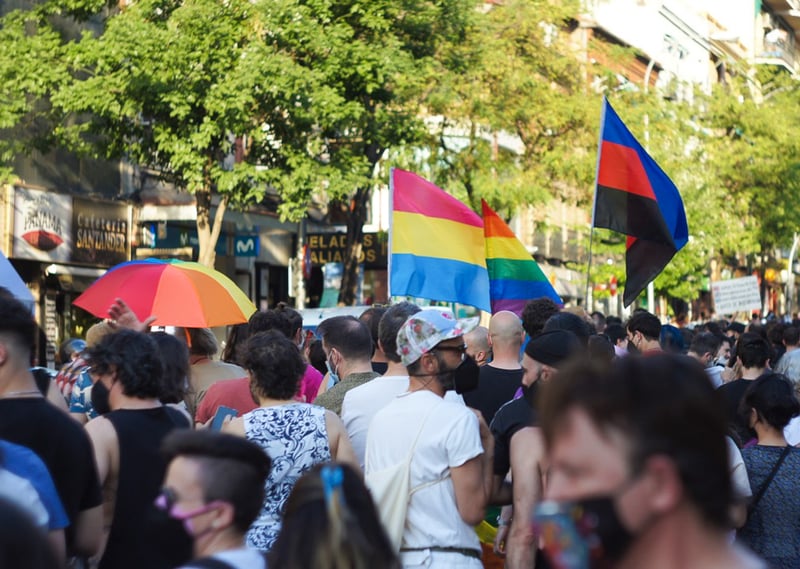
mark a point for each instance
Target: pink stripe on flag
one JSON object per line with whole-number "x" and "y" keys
{"x": 417, "y": 195}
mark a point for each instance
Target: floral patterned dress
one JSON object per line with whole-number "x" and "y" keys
{"x": 295, "y": 437}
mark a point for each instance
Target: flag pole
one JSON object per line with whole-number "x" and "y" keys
{"x": 391, "y": 232}
{"x": 594, "y": 203}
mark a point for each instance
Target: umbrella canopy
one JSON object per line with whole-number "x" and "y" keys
{"x": 178, "y": 293}
{"x": 10, "y": 280}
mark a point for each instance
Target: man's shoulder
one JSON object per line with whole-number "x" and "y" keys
{"x": 510, "y": 415}
{"x": 38, "y": 410}
{"x": 731, "y": 386}
{"x": 377, "y": 392}
{"x": 331, "y": 396}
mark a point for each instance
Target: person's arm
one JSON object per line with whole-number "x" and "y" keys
{"x": 88, "y": 532}
{"x": 473, "y": 480}
{"x": 55, "y": 397}
{"x": 88, "y": 527}
{"x": 501, "y": 491}
{"x": 58, "y": 545}
{"x": 341, "y": 447}
{"x": 121, "y": 316}
{"x": 527, "y": 452}
{"x": 234, "y": 426}
{"x": 503, "y": 524}
{"x": 323, "y": 387}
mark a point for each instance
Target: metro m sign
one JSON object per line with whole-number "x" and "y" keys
{"x": 246, "y": 246}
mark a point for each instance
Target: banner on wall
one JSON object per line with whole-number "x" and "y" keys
{"x": 42, "y": 225}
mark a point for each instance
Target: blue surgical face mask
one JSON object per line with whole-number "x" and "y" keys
{"x": 334, "y": 377}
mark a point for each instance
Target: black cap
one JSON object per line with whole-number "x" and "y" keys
{"x": 554, "y": 347}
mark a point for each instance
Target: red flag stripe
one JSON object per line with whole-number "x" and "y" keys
{"x": 621, "y": 169}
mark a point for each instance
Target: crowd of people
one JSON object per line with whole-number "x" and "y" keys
{"x": 402, "y": 438}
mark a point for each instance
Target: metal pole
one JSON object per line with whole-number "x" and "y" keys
{"x": 790, "y": 277}
{"x": 651, "y": 293}
{"x": 589, "y": 268}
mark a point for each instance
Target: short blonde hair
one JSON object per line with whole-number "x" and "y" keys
{"x": 97, "y": 332}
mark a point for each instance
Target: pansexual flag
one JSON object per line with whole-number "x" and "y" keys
{"x": 635, "y": 197}
{"x": 514, "y": 277}
{"x": 436, "y": 245}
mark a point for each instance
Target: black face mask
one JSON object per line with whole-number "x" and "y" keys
{"x": 99, "y": 398}
{"x": 461, "y": 379}
{"x": 169, "y": 537}
{"x": 467, "y": 376}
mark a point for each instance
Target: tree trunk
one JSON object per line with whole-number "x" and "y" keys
{"x": 355, "y": 239}
{"x": 208, "y": 234}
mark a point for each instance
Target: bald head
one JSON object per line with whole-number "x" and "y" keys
{"x": 505, "y": 325}
{"x": 506, "y": 335}
{"x": 477, "y": 342}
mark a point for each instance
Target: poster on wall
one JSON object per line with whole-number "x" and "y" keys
{"x": 101, "y": 232}
{"x": 42, "y": 225}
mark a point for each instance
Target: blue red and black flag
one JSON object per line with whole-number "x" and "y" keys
{"x": 635, "y": 197}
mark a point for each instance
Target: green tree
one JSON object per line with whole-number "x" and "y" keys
{"x": 376, "y": 60}
{"x": 197, "y": 90}
{"x": 516, "y": 125}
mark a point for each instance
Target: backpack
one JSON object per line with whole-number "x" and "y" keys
{"x": 391, "y": 490}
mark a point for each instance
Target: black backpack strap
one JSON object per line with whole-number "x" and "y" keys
{"x": 768, "y": 481}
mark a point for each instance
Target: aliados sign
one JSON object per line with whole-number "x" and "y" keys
{"x": 332, "y": 247}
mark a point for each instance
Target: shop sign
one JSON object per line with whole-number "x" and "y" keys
{"x": 101, "y": 232}
{"x": 179, "y": 236}
{"x": 42, "y": 225}
{"x": 326, "y": 248}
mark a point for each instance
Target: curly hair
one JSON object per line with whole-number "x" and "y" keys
{"x": 134, "y": 357}
{"x": 536, "y": 313}
{"x": 275, "y": 365}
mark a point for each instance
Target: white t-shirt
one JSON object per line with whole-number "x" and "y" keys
{"x": 741, "y": 482}
{"x": 19, "y": 491}
{"x": 791, "y": 432}
{"x": 450, "y": 437}
{"x": 361, "y": 403}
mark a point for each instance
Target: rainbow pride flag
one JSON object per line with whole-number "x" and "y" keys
{"x": 514, "y": 277}
{"x": 436, "y": 245}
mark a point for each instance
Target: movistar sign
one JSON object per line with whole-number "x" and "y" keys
{"x": 246, "y": 246}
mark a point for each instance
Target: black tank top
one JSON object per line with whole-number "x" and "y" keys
{"x": 141, "y": 475}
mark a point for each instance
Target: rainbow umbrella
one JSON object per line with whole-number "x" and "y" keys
{"x": 178, "y": 293}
